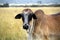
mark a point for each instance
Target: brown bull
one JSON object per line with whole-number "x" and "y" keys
{"x": 46, "y": 27}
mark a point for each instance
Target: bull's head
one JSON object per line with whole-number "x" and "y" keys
{"x": 26, "y": 16}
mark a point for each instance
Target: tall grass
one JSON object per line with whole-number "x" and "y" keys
{"x": 11, "y": 28}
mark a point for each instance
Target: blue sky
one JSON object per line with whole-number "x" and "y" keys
{"x": 29, "y": 1}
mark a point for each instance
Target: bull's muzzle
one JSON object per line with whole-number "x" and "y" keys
{"x": 26, "y": 26}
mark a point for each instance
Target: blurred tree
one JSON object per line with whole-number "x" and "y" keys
{"x": 6, "y": 5}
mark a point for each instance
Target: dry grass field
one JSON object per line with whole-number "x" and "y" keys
{"x": 11, "y": 28}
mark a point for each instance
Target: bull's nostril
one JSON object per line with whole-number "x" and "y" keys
{"x": 25, "y": 27}
{"x": 25, "y": 24}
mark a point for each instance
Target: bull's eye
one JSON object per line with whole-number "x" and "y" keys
{"x": 29, "y": 17}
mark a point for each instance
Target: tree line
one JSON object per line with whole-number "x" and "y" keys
{"x": 5, "y": 5}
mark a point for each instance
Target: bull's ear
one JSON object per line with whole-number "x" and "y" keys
{"x": 34, "y": 16}
{"x": 18, "y": 16}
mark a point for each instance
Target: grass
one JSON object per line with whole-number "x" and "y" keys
{"x": 11, "y": 28}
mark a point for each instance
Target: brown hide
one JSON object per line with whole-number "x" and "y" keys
{"x": 47, "y": 26}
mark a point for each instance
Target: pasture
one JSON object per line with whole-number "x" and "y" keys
{"x": 11, "y": 28}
